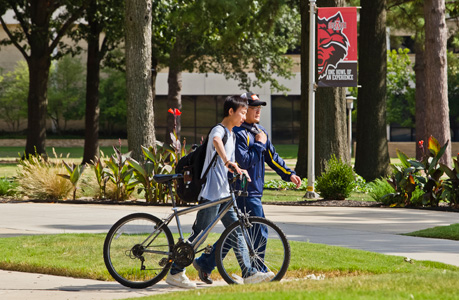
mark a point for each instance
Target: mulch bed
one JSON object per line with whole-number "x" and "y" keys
{"x": 322, "y": 202}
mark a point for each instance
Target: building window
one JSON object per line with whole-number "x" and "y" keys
{"x": 199, "y": 114}
{"x": 285, "y": 116}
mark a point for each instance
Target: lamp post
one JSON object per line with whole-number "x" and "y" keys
{"x": 310, "y": 194}
{"x": 350, "y": 105}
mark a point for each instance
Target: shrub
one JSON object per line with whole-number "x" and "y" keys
{"x": 337, "y": 182}
{"x": 380, "y": 188}
{"x": 38, "y": 178}
{"x": 361, "y": 185}
{"x": 7, "y": 187}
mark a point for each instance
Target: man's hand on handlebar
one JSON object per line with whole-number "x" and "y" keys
{"x": 233, "y": 168}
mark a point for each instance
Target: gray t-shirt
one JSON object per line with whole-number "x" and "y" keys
{"x": 216, "y": 186}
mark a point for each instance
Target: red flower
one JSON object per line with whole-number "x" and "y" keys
{"x": 175, "y": 111}
{"x": 421, "y": 144}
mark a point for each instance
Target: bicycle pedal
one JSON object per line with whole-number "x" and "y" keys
{"x": 208, "y": 249}
{"x": 163, "y": 261}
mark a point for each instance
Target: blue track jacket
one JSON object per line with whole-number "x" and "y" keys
{"x": 252, "y": 155}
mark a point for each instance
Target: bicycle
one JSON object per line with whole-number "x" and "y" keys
{"x": 139, "y": 249}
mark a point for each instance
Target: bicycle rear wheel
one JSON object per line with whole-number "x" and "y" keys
{"x": 271, "y": 251}
{"x": 136, "y": 253}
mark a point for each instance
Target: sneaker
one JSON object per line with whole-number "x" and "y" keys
{"x": 180, "y": 280}
{"x": 205, "y": 277}
{"x": 270, "y": 275}
{"x": 259, "y": 277}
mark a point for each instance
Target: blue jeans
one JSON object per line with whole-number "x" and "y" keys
{"x": 207, "y": 261}
{"x": 253, "y": 206}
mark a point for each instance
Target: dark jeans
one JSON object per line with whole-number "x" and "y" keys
{"x": 253, "y": 206}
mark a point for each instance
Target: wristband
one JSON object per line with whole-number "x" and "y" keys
{"x": 227, "y": 162}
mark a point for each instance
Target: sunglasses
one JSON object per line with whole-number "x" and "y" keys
{"x": 255, "y": 108}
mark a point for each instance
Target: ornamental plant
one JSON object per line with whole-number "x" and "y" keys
{"x": 37, "y": 178}
{"x": 451, "y": 185}
{"x": 379, "y": 188}
{"x": 74, "y": 175}
{"x": 158, "y": 160}
{"x": 412, "y": 175}
{"x": 178, "y": 148}
{"x": 7, "y": 187}
{"x": 102, "y": 177}
{"x": 433, "y": 188}
{"x": 120, "y": 174}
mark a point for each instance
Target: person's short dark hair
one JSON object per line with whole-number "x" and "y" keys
{"x": 233, "y": 102}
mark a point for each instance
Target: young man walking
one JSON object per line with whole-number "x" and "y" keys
{"x": 253, "y": 150}
{"x": 217, "y": 187}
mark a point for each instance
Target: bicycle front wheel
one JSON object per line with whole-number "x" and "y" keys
{"x": 138, "y": 250}
{"x": 260, "y": 246}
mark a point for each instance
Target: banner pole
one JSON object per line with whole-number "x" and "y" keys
{"x": 311, "y": 101}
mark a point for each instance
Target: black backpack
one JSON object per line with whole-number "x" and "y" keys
{"x": 189, "y": 187}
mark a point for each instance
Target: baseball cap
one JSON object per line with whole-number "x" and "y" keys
{"x": 252, "y": 99}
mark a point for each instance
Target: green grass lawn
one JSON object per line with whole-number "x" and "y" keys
{"x": 450, "y": 232}
{"x": 294, "y": 196}
{"x": 71, "y": 152}
{"x": 349, "y": 273}
{"x": 8, "y": 156}
{"x": 285, "y": 151}
{"x": 8, "y": 169}
{"x": 423, "y": 285}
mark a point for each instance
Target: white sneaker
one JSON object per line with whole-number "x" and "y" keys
{"x": 180, "y": 280}
{"x": 259, "y": 277}
{"x": 270, "y": 275}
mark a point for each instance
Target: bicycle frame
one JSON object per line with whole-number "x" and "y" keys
{"x": 202, "y": 236}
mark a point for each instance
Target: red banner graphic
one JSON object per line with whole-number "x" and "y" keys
{"x": 337, "y": 46}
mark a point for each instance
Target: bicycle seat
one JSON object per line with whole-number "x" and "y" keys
{"x": 161, "y": 178}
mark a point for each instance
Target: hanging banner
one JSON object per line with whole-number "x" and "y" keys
{"x": 337, "y": 46}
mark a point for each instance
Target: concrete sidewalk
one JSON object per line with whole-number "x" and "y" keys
{"x": 371, "y": 229}
{"x": 25, "y": 286}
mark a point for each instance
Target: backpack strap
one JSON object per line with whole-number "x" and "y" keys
{"x": 214, "y": 159}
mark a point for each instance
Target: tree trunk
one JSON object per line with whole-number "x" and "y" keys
{"x": 372, "y": 154}
{"x": 91, "y": 139}
{"x": 37, "y": 103}
{"x": 154, "y": 74}
{"x": 39, "y": 63}
{"x": 436, "y": 84}
{"x": 301, "y": 167}
{"x": 140, "y": 118}
{"x": 419, "y": 70}
{"x": 174, "y": 96}
{"x": 331, "y": 127}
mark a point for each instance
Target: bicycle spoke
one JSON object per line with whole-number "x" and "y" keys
{"x": 270, "y": 253}
{"x": 127, "y": 258}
